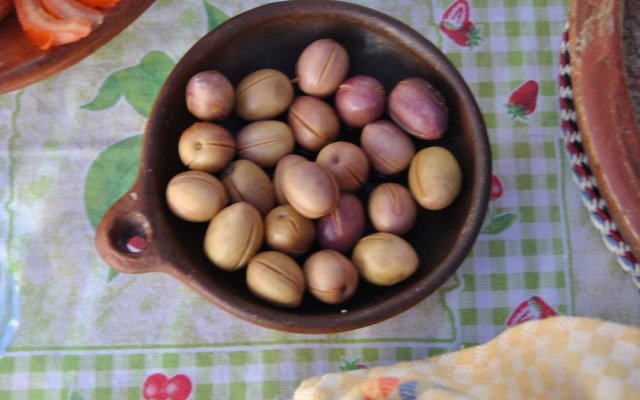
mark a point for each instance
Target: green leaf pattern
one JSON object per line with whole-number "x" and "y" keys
{"x": 114, "y": 170}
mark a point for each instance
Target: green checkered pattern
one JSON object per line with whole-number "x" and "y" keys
{"x": 87, "y": 335}
{"x": 234, "y": 372}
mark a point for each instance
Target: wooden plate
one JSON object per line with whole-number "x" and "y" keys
{"x": 606, "y": 86}
{"x": 22, "y": 63}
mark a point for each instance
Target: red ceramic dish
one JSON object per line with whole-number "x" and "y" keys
{"x": 606, "y": 86}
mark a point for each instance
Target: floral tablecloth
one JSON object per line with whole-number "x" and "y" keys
{"x": 69, "y": 147}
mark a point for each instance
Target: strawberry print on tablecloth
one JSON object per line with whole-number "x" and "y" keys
{"x": 456, "y": 24}
{"x": 159, "y": 386}
{"x": 530, "y": 309}
{"x": 522, "y": 101}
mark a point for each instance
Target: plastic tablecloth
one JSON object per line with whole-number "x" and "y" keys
{"x": 70, "y": 146}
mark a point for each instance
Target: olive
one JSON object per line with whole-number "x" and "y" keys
{"x": 310, "y": 189}
{"x": 284, "y": 163}
{"x": 418, "y": 108}
{"x": 209, "y": 96}
{"x": 347, "y": 163}
{"x": 435, "y": 178}
{"x": 246, "y": 181}
{"x": 384, "y": 258}
{"x": 263, "y": 94}
{"x": 392, "y": 208}
{"x": 342, "y": 228}
{"x": 276, "y": 278}
{"x": 286, "y": 230}
{"x": 321, "y": 67}
{"x": 234, "y": 235}
{"x": 205, "y": 146}
{"x": 388, "y": 148}
{"x": 360, "y": 99}
{"x": 313, "y": 122}
{"x": 196, "y": 196}
{"x": 265, "y": 142}
{"x": 330, "y": 276}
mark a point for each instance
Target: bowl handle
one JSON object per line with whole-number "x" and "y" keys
{"x": 124, "y": 237}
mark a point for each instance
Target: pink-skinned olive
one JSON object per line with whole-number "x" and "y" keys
{"x": 284, "y": 163}
{"x": 310, "y": 189}
{"x": 210, "y": 96}
{"x": 418, "y": 108}
{"x": 330, "y": 276}
{"x": 347, "y": 163}
{"x": 321, "y": 67}
{"x": 359, "y": 100}
{"x": 388, "y": 148}
{"x": 313, "y": 122}
{"x": 392, "y": 208}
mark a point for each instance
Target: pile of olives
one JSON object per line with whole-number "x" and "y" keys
{"x": 297, "y": 223}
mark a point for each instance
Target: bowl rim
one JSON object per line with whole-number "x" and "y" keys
{"x": 253, "y": 310}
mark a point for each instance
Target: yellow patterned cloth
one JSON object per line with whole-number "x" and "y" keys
{"x": 553, "y": 358}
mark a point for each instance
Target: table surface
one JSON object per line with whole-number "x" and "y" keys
{"x": 70, "y": 146}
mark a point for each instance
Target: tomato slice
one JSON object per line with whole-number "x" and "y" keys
{"x": 100, "y": 3}
{"x": 69, "y": 9}
{"x": 44, "y": 30}
{"x": 5, "y": 8}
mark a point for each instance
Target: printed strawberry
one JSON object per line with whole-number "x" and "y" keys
{"x": 496, "y": 188}
{"x": 351, "y": 365}
{"x": 522, "y": 101}
{"x": 457, "y": 25}
{"x": 159, "y": 387}
{"x": 530, "y": 309}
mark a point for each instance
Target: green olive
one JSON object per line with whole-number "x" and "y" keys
{"x": 196, "y": 196}
{"x": 384, "y": 258}
{"x": 234, "y": 236}
{"x": 435, "y": 178}
{"x": 276, "y": 278}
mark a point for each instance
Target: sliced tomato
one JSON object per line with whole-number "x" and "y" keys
{"x": 46, "y": 31}
{"x": 100, "y": 3}
{"x": 69, "y": 9}
{"x": 5, "y": 8}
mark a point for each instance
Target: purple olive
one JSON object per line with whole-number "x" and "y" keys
{"x": 341, "y": 229}
{"x": 360, "y": 100}
{"x": 418, "y": 108}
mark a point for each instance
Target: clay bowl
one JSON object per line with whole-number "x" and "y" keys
{"x": 273, "y": 36}
{"x": 22, "y": 63}
{"x": 604, "y": 42}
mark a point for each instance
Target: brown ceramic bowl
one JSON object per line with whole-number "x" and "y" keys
{"x": 604, "y": 42}
{"x": 273, "y": 36}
